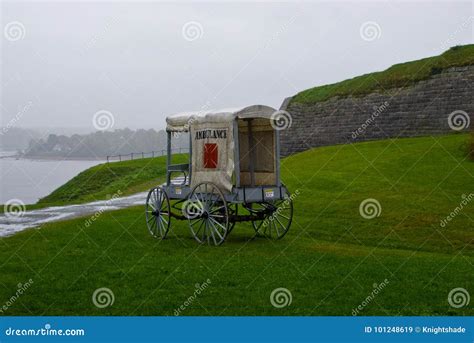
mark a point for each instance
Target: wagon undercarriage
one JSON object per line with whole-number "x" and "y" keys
{"x": 211, "y": 218}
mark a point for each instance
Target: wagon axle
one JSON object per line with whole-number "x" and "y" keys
{"x": 232, "y": 218}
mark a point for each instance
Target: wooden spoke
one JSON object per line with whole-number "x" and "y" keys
{"x": 213, "y": 220}
{"x": 277, "y": 217}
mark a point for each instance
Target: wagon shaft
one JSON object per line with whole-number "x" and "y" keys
{"x": 232, "y": 218}
{"x": 246, "y": 218}
{"x": 178, "y": 216}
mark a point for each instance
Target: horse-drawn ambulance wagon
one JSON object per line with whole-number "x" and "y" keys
{"x": 234, "y": 166}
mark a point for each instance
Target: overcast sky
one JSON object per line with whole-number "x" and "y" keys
{"x": 62, "y": 62}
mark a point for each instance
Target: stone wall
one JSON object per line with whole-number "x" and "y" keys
{"x": 419, "y": 110}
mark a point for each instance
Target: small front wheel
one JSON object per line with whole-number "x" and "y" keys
{"x": 276, "y": 217}
{"x": 157, "y": 212}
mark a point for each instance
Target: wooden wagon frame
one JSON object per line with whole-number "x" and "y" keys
{"x": 234, "y": 166}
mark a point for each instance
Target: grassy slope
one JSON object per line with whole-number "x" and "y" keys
{"x": 398, "y": 75}
{"x": 106, "y": 179}
{"x": 329, "y": 260}
{"x": 471, "y": 145}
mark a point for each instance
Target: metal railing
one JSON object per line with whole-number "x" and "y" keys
{"x": 139, "y": 155}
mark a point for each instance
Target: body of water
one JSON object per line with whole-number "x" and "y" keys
{"x": 29, "y": 180}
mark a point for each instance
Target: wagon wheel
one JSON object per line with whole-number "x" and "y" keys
{"x": 157, "y": 212}
{"x": 233, "y": 210}
{"x": 208, "y": 214}
{"x": 277, "y": 217}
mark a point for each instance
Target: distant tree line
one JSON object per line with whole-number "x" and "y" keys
{"x": 102, "y": 143}
{"x": 14, "y": 138}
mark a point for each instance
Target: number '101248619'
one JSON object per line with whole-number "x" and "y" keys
{"x": 388, "y": 329}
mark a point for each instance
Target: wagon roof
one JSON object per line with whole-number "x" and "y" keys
{"x": 181, "y": 121}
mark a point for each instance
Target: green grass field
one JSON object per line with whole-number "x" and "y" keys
{"x": 104, "y": 180}
{"x": 398, "y": 75}
{"x": 329, "y": 261}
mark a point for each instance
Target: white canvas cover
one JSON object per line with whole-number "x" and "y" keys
{"x": 212, "y": 141}
{"x": 213, "y": 154}
{"x": 183, "y": 121}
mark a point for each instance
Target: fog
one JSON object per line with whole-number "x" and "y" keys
{"x": 63, "y": 62}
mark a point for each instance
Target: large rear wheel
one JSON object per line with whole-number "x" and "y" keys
{"x": 208, "y": 214}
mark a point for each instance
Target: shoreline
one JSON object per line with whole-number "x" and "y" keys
{"x": 52, "y": 158}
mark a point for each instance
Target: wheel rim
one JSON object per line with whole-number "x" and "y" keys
{"x": 209, "y": 217}
{"x": 278, "y": 216}
{"x": 157, "y": 213}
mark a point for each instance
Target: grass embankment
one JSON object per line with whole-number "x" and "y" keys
{"x": 105, "y": 180}
{"x": 329, "y": 261}
{"x": 471, "y": 145}
{"x": 398, "y": 75}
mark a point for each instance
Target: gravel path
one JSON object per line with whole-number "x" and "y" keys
{"x": 10, "y": 224}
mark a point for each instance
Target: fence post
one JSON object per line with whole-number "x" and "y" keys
{"x": 120, "y": 158}
{"x": 143, "y": 154}
{"x": 153, "y": 154}
{"x": 131, "y": 155}
{"x": 107, "y": 158}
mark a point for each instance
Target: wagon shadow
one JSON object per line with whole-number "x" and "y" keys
{"x": 236, "y": 240}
